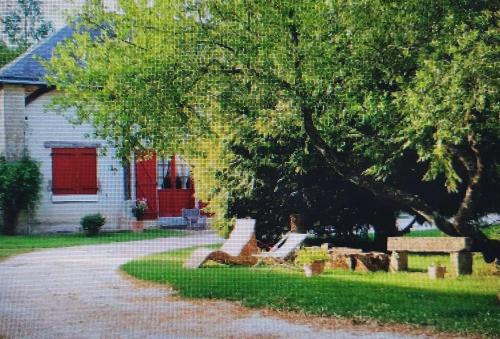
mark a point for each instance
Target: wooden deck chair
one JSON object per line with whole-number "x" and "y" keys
{"x": 237, "y": 249}
{"x": 283, "y": 249}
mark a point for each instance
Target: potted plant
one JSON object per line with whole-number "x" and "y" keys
{"x": 139, "y": 209}
{"x": 436, "y": 271}
{"x": 92, "y": 223}
{"x": 312, "y": 259}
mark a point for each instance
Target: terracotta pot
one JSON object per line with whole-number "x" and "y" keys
{"x": 138, "y": 226}
{"x": 436, "y": 272}
{"x": 315, "y": 268}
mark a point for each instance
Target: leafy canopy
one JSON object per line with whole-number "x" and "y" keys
{"x": 20, "y": 184}
{"x": 383, "y": 79}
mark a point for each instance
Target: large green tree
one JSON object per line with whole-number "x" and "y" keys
{"x": 369, "y": 83}
{"x": 24, "y": 24}
{"x": 274, "y": 176}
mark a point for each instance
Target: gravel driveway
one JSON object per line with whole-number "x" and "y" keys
{"x": 78, "y": 292}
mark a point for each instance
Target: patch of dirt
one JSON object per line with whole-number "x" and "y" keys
{"x": 144, "y": 283}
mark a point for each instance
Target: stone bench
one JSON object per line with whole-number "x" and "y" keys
{"x": 458, "y": 248}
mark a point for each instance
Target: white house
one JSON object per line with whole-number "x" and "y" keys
{"x": 78, "y": 177}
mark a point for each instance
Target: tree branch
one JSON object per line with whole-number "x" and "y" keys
{"x": 489, "y": 248}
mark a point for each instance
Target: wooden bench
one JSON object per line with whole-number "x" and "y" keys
{"x": 458, "y": 248}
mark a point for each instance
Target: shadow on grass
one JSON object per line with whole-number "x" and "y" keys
{"x": 465, "y": 306}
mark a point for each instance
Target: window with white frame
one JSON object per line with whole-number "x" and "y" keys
{"x": 165, "y": 172}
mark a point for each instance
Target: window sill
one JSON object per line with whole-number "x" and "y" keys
{"x": 75, "y": 198}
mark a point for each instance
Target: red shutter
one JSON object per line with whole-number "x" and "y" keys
{"x": 87, "y": 171}
{"x": 74, "y": 171}
{"x": 63, "y": 174}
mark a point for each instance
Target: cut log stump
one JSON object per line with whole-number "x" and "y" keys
{"x": 356, "y": 260}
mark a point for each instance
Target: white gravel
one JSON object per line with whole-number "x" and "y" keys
{"x": 78, "y": 292}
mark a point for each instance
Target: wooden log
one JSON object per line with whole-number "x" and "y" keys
{"x": 341, "y": 261}
{"x": 363, "y": 262}
{"x": 346, "y": 250}
{"x": 371, "y": 262}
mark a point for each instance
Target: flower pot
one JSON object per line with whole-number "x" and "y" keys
{"x": 436, "y": 272}
{"x": 315, "y": 268}
{"x": 138, "y": 226}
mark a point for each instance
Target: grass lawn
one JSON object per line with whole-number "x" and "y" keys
{"x": 12, "y": 245}
{"x": 465, "y": 305}
{"x": 491, "y": 231}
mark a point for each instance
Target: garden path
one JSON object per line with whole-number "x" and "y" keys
{"x": 78, "y": 292}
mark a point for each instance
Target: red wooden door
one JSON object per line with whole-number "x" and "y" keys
{"x": 145, "y": 173}
{"x": 161, "y": 202}
{"x": 172, "y": 200}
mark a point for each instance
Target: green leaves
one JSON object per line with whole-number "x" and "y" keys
{"x": 223, "y": 82}
{"x": 453, "y": 96}
{"x": 20, "y": 184}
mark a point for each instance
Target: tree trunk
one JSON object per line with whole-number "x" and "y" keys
{"x": 489, "y": 248}
{"x": 297, "y": 223}
{"x": 385, "y": 192}
{"x": 384, "y": 227}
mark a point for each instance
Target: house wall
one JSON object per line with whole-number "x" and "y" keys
{"x": 47, "y": 126}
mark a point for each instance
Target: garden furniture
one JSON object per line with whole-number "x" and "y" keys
{"x": 457, "y": 247}
{"x": 194, "y": 219}
{"x": 283, "y": 249}
{"x": 237, "y": 249}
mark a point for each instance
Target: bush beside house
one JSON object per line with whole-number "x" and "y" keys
{"x": 92, "y": 223}
{"x": 20, "y": 183}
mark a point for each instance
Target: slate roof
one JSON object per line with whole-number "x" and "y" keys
{"x": 26, "y": 69}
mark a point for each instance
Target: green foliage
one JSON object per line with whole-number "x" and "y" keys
{"x": 309, "y": 255}
{"x": 20, "y": 182}
{"x": 463, "y": 306}
{"x": 8, "y": 54}
{"x": 25, "y": 24}
{"x": 492, "y": 231}
{"x": 139, "y": 208}
{"x": 454, "y": 94}
{"x": 400, "y": 90}
{"x": 92, "y": 223}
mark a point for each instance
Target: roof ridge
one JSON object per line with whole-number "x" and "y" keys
{"x": 30, "y": 49}
{"x": 28, "y": 57}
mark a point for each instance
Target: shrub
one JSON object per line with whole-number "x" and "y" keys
{"x": 92, "y": 223}
{"x": 307, "y": 256}
{"x": 20, "y": 183}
